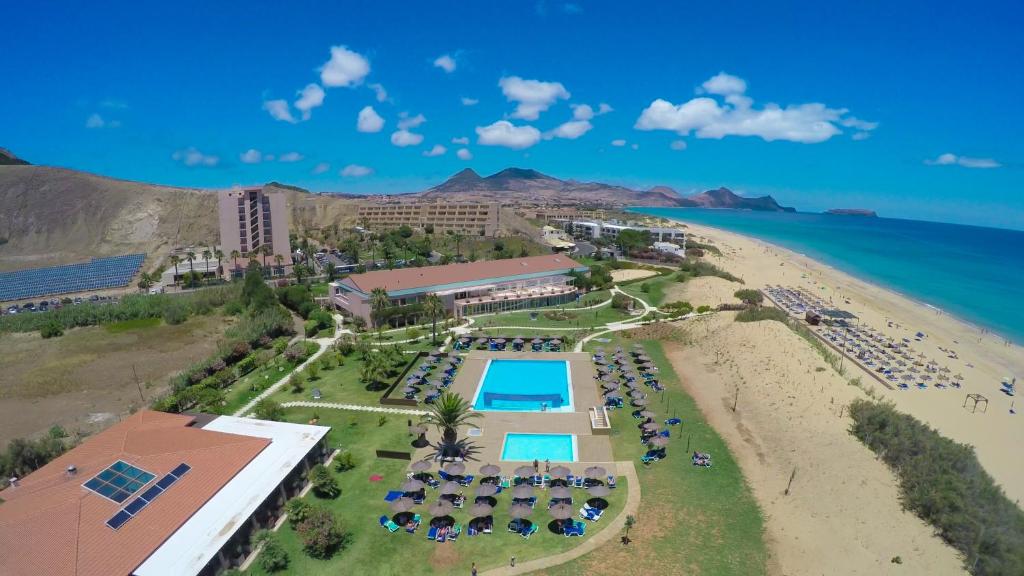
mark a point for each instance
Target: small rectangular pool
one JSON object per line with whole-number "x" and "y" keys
{"x": 524, "y": 386}
{"x": 530, "y": 447}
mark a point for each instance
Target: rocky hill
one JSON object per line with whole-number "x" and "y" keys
{"x": 7, "y": 158}
{"x": 725, "y": 198}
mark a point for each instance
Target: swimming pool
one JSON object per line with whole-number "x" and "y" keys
{"x": 530, "y": 447}
{"x": 524, "y": 386}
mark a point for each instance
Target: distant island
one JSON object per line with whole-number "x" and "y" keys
{"x": 853, "y": 212}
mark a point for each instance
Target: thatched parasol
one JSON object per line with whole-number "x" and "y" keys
{"x": 490, "y": 470}
{"x": 486, "y": 490}
{"x": 479, "y": 510}
{"x": 420, "y": 465}
{"x": 411, "y": 485}
{"x": 450, "y": 487}
{"x": 560, "y": 492}
{"x": 560, "y": 472}
{"x": 659, "y": 441}
{"x": 599, "y": 490}
{"x": 522, "y": 491}
{"x": 640, "y": 402}
{"x": 403, "y": 504}
{"x": 647, "y": 414}
{"x": 525, "y": 470}
{"x": 595, "y": 472}
{"x": 561, "y": 511}
{"x": 455, "y": 468}
{"x": 520, "y": 511}
{"x": 440, "y": 508}
{"x": 418, "y": 429}
{"x": 651, "y": 426}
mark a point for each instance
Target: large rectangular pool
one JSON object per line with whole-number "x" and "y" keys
{"x": 524, "y": 386}
{"x": 530, "y": 447}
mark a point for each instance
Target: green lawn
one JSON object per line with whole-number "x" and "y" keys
{"x": 691, "y": 520}
{"x": 371, "y": 550}
{"x": 577, "y": 318}
{"x": 656, "y": 286}
{"x": 130, "y": 325}
{"x": 249, "y": 386}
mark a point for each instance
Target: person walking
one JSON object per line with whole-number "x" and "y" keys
{"x": 473, "y": 570}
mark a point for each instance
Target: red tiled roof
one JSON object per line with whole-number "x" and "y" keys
{"x": 50, "y": 524}
{"x": 412, "y": 278}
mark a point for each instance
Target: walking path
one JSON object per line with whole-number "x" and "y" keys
{"x": 352, "y": 407}
{"x": 610, "y": 532}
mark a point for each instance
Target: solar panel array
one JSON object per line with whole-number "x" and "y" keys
{"x": 96, "y": 274}
{"x": 135, "y": 506}
{"x": 119, "y": 481}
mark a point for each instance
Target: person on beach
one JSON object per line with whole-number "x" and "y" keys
{"x": 536, "y": 465}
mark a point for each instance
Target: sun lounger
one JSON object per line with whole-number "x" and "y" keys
{"x": 393, "y": 495}
{"x": 391, "y": 526}
{"x": 383, "y": 521}
{"x": 444, "y": 475}
{"x": 611, "y": 481}
{"x": 506, "y": 482}
{"x": 537, "y": 480}
{"x": 432, "y": 533}
{"x": 415, "y": 524}
{"x": 433, "y": 482}
{"x": 529, "y": 531}
{"x": 673, "y": 421}
{"x": 579, "y": 482}
{"x": 466, "y": 480}
{"x": 453, "y": 534}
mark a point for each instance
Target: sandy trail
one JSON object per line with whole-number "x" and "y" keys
{"x": 705, "y": 290}
{"x": 626, "y": 274}
{"x": 842, "y": 515}
{"x": 984, "y": 359}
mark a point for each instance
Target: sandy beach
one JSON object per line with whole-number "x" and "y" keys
{"x": 791, "y": 412}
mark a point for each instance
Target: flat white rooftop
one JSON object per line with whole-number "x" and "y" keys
{"x": 193, "y": 545}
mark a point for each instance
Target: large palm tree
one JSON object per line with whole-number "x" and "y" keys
{"x": 207, "y": 254}
{"x": 379, "y": 301}
{"x": 265, "y": 251}
{"x": 174, "y": 261}
{"x": 219, "y": 255}
{"x": 191, "y": 257}
{"x": 374, "y": 370}
{"x": 278, "y": 259}
{"x": 433, "y": 307}
{"x": 458, "y": 243}
{"x": 447, "y": 414}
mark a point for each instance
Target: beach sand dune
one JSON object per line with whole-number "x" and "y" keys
{"x": 983, "y": 358}
{"x": 705, "y": 290}
{"x": 842, "y": 515}
{"x": 626, "y": 274}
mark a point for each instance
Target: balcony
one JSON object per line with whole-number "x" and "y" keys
{"x": 517, "y": 295}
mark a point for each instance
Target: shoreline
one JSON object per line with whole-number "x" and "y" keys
{"x": 984, "y": 357}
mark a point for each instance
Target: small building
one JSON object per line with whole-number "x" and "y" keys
{"x": 156, "y": 494}
{"x": 465, "y": 289}
{"x": 669, "y": 248}
{"x": 594, "y": 229}
{"x": 557, "y": 239}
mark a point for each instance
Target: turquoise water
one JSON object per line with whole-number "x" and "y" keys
{"x": 524, "y": 386}
{"x": 974, "y": 273}
{"x": 530, "y": 447}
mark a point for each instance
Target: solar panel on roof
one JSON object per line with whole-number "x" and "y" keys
{"x": 119, "y": 481}
{"x": 166, "y": 482}
{"x": 118, "y": 520}
{"x": 136, "y": 506}
{"x": 152, "y": 493}
{"x": 181, "y": 469}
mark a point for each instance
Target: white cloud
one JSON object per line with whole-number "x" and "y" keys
{"x": 461, "y": 140}
{"x": 531, "y": 96}
{"x": 379, "y": 91}
{"x": 369, "y": 121}
{"x": 321, "y": 168}
{"x": 504, "y": 133}
{"x": 405, "y": 121}
{"x": 464, "y": 154}
{"x": 724, "y": 84}
{"x": 403, "y": 138}
{"x": 570, "y": 130}
{"x": 290, "y": 157}
{"x": 603, "y": 108}
{"x": 251, "y": 156}
{"x": 192, "y": 157}
{"x": 345, "y": 68}
{"x": 618, "y": 142}
{"x": 860, "y": 135}
{"x": 445, "y": 62}
{"x": 355, "y": 171}
{"x": 437, "y": 150}
{"x": 678, "y": 145}
{"x": 95, "y": 121}
{"x": 736, "y": 116}
{"x": 309, "y": 97}
{"x": 950, "y": 159}
{"x": 279, "y": 110}
{"x": 582, "y": 112}
{"x": 466, "y": 101}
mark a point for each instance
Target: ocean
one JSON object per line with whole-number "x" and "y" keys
{"x": 974, "y": 273}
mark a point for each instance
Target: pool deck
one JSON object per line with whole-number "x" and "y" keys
{"x": 592, "y": 449}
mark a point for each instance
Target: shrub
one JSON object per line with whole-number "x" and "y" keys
{"x": 750, "y": 296}
{"x": 703, "y": 309}
{"x": 51, "y": 329}
{"x": 621, "y": 302}
{"x": 324, "y": 484}
{"x": 313, "y": 370}
{"x": 326, "y": 363}
{"x": 297, "y": 382}
{"x": 310, "y": 328}
{"x": 765, "y": 313}
{"x": 175, "y": 313}
{"x": 413, "y": 333}
{"x": 344, "y": 462}
{"x": 273, "y": 557}
{"x": 296, "y": 353}
{"x": 944, "y": 484}
{"x": 697, "y": 268}
{"x": 678, "y": 308}
{"x": 345, "y": 346}
{"x": 267, "y": 409}
{"x": 297, "y": 510}
{"x": 320, "y": 533}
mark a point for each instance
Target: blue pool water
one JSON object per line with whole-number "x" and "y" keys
{"x": 530, "y": 447}
{"x": 973, "y": 272}
{"x": 524, "y": 386}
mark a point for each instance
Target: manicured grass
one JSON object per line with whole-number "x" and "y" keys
{"x": 338, "y": 384}
{"x": 691, "y": 520}
{"x": 655, "y": 295}
{"x": 136, "y": 324}
{"x": 249, "y": 386}
{"x": 583, "y": 318}
{"x": 371, "y": 550}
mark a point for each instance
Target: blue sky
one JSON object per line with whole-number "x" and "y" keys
{"x": 909, "y": 108}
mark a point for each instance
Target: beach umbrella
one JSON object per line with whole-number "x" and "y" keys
{"x": 520, "y": 511}
{"x": 560, "y": 492}
{"x": 635, "y": 394}
{"x": 455, "y": 468}
{"x": 599, "y": 490}
{"x": 490, "y": 470}
{"x": 556, "y": 341}
{"x": 560, "y": 472}
{"x": 647, "y": 414}
{"x": 403, "y": 504}
{"x": 499, "y": 341}
{"x": 613, "y": 395}
{"x": 658, "y": 441}
{"x": 486, "y": 490}
{"x": 480, "y": 510}
{"x": 420, "y": 465}
{"x": 525, "y": 470}
{"x": 522, "y": 491}
{"x": 595, "y": 472}
{"x": 410, "y": 390}
{"x": 450, "y": 487}
{"x": 640, "y": 402}
{"x": 440, "y": 508}
{"x": 412, "y": 485}
{"x": 536, "y": 341}
{"x": 651, "y": 426}
{"x": 561, "y": 511}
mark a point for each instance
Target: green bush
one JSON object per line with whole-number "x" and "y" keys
{"x": 320, "y": 533}
{"x": 697, "y": 268}
{"x": 267, "y": 409}
{"x": 273, "y": 557}
{"x": 297, "y": 510}
{"x": 944, "y": 484}
{"x": 344, "y": 462}
{"x": 764, "y": 313}
{"x": 750, "y": 296}
{"x": 621, "y": 302}
{"x": 51, "y": 329}
{"x": 678, "y": 308}
{"x": 704, "y": 308}
{"x": 324, "y": 483}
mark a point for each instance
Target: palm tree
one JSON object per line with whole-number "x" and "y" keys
{"x": 447, "y": 414}
{"x": 145, "y": 281}
{"x": 278, "y": 259}
{"x": 379, "y": 301}
{"x": 374, "y": 370}
{"x": 190, "y": 256}
{"x": 219, "y": 255}
{"x": 433, "y": 307}
{"x": 458, "y": 243}
{"x": 265, "y": 251}
{"x": 174, "y": 260}
{"x": 235, "y": 255}
{"x": 331, "y": 270}
{"x": 207, "y": 254}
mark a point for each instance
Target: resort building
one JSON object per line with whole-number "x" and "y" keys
{"x": 156, "y": 495}
{"x": 465, "y": 289}
{"x": 250, "y": 220}
{"x": 557, "y": 239}
{"x": 475, "y": 219}
{"x": 560, "y": 213}
{"x": 594, "y": 229}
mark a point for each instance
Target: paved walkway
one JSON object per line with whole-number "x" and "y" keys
{"x": 352, "y": 407}
{"x": 611, "y": 531}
